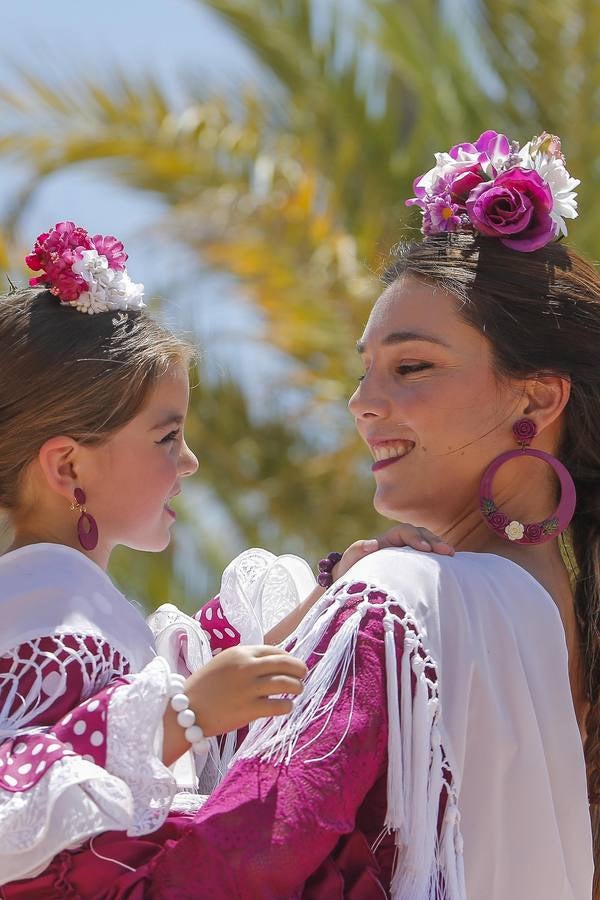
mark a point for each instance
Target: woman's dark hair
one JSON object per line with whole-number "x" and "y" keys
{"x": 64, "y": 372}
{"x": 541, "y": 313}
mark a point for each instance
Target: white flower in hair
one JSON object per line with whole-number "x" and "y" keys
{"x": 543, "y": 154}
{"x": 107, "y": 289}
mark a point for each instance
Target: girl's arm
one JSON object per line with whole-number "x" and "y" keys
{"x": 401, "y": 535}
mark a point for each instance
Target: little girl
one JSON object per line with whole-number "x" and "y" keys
{"x": 93, "y": 399}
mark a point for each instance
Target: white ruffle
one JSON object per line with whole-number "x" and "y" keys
{"x": 134, "y": 745}
{"x": 181, "y": 641}
{"x": 76, "y": 799}
{"x": 73, "y": 801}
{"x": 259, "y": 589}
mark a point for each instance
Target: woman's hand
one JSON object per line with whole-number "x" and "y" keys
{"x": 237, "y": 686}
{"x": 401, "y": 535}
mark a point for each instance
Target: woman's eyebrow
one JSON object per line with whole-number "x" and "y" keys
{"x": 400, "y": 337}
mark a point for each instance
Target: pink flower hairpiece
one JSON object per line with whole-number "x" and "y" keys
{"x": 520, "y": 195}
{"x": 87, "y": 272}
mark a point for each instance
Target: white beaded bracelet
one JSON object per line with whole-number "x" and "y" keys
{"x": 180, "y": 702}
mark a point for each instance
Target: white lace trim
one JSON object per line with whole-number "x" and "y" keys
{"x": 259, "y": 589}
{"x": 134, "y": 745}
{"x": 73, "y": 801}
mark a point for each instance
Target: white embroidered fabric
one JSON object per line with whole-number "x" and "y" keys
{"x": 259, "y": 589}
{"x": 134, "y": 745}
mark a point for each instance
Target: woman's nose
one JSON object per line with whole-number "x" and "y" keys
{"x": 368, "y": 400}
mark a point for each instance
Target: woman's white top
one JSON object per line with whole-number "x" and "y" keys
{"x": 507, "y": 719}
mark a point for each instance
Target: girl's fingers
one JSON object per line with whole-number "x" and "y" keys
{"x": 271, "y": 706}
{"x": 279, "y": 684}
{"x": 280, "y": 665}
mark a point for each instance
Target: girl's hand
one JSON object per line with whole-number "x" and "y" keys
{"x": 241, "y": 684}
{"x": 402, "y": 535}
{"x": 237, "y": 686}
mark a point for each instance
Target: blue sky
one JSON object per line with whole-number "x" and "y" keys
{"x": 174, "y": 40}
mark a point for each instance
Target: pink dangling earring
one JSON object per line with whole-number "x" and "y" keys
{"x": 87, "y": 529}
{"x": 524, "y": 430}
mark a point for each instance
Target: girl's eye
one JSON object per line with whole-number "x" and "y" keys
{"x": 169, "y": 438}
{"x": 408, "y": 369}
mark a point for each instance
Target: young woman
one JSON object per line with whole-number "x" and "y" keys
{"x": 437, "y": 750}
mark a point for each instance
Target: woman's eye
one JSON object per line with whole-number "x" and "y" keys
{"x": 409, "y": 368}
{"x": 169, "y": 438}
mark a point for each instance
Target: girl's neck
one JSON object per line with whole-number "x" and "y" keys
{"x": 24, "y": 537}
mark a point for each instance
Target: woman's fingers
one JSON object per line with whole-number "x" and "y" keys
{"x": 405, "y": 535}
{"x": 438, "y": 545}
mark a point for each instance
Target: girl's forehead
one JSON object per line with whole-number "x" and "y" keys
{"x": 171, "y": 391}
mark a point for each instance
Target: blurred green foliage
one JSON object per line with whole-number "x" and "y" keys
{"x": 296, "y": 186}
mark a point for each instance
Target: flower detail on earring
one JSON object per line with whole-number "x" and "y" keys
{"x": 514, "y": 531}
{"x": 87, "y": 529}
{"x": 524, "y": 430}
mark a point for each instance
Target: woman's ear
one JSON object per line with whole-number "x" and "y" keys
{"x": 57, "y": 461}
{"x": 546, "y": 396}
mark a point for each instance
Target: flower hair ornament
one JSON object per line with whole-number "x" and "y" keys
{"x": 84, "y": 271}
{"x": 520, "y": 195}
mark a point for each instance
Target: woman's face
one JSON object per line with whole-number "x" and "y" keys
{"x": 429, "y": 406}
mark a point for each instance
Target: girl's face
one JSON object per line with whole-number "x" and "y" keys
{"x": 136, "y": 473}
{"x": 429, "y": 406}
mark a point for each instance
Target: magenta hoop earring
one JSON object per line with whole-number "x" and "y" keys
{"x": 87, "y": 529}
{"x": 524, "y": 431}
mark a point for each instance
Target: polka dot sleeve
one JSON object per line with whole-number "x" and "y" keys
{"x": 219, "y": 630}
{"x": 80, "y": 749}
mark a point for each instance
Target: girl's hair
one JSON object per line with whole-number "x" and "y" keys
{"x": 64, "y": 372}
{"x": 541, "y": 314}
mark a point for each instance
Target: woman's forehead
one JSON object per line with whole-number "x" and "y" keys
{"x": 412, "y": 305}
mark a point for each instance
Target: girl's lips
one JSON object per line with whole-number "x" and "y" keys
{"x": 171, "y": 512}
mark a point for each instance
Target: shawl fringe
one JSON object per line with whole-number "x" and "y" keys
{"x": 429, "y": 866}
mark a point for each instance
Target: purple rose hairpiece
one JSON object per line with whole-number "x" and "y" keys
{"x": 496, "y": 188}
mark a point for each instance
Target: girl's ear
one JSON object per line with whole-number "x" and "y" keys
{"x": 57, "y": 460}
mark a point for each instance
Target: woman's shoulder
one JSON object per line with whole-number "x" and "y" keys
{"x": 472, "y": 585}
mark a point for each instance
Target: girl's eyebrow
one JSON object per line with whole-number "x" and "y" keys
{"x": 400, "y": 337}
{"x": 169, "y": 419}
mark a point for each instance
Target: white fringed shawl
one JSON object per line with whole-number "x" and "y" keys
{"x": 498, "y": 717}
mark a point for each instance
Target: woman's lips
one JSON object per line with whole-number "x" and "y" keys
{"x": 388, "y": 452}
{"x": 382, "y": 463}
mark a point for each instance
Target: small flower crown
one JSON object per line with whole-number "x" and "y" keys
{"x": 496, "y": 188}
{"x": 87, "y": 272}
